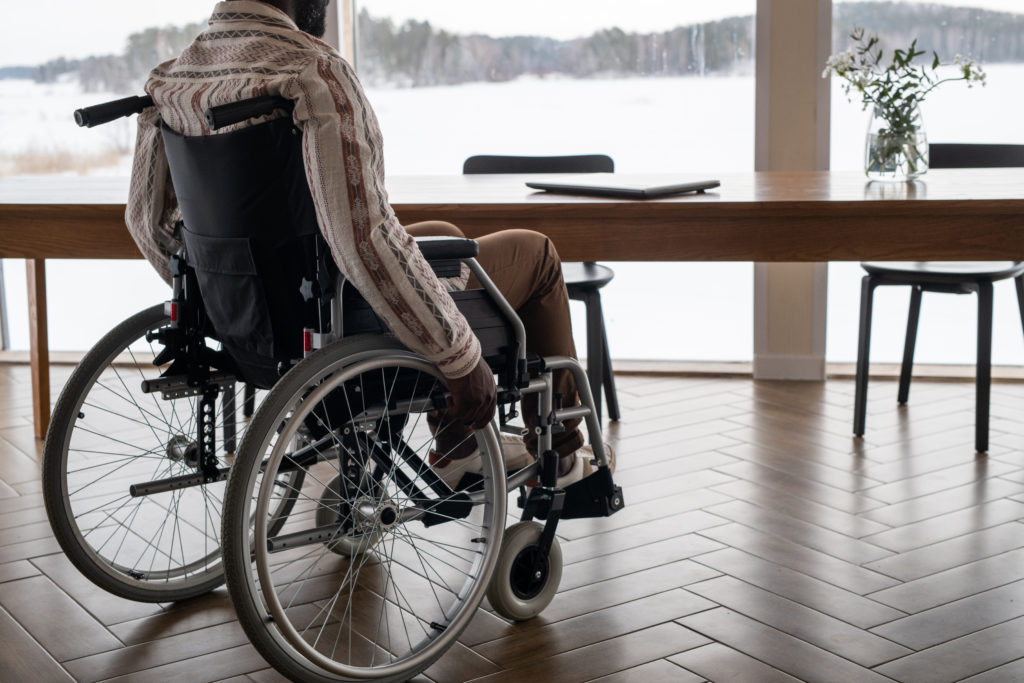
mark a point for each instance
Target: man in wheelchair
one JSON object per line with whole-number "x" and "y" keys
{"x": 258, "y": 48}
{"x": 359, "y": 519}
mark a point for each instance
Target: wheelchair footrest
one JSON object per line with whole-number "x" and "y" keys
{"x": 151, "y": 488}
{"x": 595, "y": 496}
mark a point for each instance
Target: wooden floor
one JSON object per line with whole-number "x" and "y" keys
{"x": 761, "y": 542}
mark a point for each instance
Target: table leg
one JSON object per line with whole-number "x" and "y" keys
{"x": 38, "y": 345}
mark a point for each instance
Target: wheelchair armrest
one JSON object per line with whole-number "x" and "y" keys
{"x": 447, "y": 248}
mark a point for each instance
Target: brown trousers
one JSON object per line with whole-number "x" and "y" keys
{"x": 525, "y": 267}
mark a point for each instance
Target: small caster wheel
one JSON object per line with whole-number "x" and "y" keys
{"x": 521, "y": 587}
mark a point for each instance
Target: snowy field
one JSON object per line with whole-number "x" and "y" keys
{"x": 38, "y": 126}
{"x": 689, "y": 311}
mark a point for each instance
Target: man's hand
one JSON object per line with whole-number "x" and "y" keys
{"x": 473, "y": 397}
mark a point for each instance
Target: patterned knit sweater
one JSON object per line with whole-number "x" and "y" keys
{"x": 252, "y": 49}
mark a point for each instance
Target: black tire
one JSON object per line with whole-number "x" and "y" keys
{"x": 105, "y": 435}
{"x": 518, "y": 590}
{"x": 310, "y": 609}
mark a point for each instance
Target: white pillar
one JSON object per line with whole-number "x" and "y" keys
{"x": 794, "y": 38}
{"x": 341, "y": 28}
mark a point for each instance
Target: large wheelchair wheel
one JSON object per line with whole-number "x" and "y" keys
{"x": 106, "y": 439}
{"x": 380, "y": 565}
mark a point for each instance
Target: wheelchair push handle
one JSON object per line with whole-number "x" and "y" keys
{"x": 98, "y": 114}
{"x": 236, "y": 112}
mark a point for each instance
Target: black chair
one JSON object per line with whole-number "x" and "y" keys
{"x": 583, "y": 280}
{"x": 951, "y": 278}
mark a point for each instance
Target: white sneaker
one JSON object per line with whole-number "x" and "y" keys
{"x": 513, "y": 451}
{"x": 582, "y": 467}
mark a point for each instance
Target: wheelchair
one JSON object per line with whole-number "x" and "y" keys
{"x": 263, "y": 429}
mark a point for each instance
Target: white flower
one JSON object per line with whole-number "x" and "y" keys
{"x": 969, "y": 70}
{"x": 840, "y": 63}
{"x": 895, "y": 87}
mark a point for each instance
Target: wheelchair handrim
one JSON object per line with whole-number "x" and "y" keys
{"x": 475, "y": 584}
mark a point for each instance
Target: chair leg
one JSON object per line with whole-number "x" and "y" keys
{"x": 1019, "y": 283}
{"x": 595, "y": 352}
{"x": 908, "y": 345}
{"x": 860, "y": 400}
{"x": 983, "y": 383}
{"x": 611, "y": 396}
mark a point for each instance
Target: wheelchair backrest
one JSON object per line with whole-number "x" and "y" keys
{"x": 250, "y": 232}
{"x": 264, "y": 270}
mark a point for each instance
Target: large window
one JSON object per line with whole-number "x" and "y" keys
{"x": 658, "y": 86}
{"x": 662, "y": 87}
{"x": 992, "y": 32}
{"x": 48, "y": 68}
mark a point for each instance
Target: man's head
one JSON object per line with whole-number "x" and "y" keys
{"x": 309, "y": 15}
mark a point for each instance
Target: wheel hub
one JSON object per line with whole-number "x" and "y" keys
{"x": 529, "y": 573}
{"x": 182, "y": 449}
{"x": 364, "y": 519}
{"x": 372, "y": 515}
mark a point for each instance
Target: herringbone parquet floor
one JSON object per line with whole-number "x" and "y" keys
{"x": 761, "y": 542}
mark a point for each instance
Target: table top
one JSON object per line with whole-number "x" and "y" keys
{"x": 975, "y": 214}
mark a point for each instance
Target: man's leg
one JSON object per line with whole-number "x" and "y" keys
{"x": 525, "y": 267}
{"x": 433, "y": 229}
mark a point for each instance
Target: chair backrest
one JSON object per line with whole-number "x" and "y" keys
{"x": 951, "y": 155}
{"x": 578, "y": 163}
{"x": 250, "y": 231}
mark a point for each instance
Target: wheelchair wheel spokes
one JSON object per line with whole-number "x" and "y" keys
{"x": 110, "y": 455}
{"x": 379, "y": 565}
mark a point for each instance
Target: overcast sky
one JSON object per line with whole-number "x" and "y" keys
{"x": 30, "y": 34}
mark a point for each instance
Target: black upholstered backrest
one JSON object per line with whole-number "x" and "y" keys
{"x": 579, "y": 163}
{"x": 954, "y": 155}
{"x": 250, "y": 231}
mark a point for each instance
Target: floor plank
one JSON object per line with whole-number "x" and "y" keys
{"x": 717, "y": 662}
{"x": 65, "y": 629}
{"x": 22, "y": 658}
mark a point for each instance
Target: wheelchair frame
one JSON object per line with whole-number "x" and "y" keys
{"x": 266, "y": 493}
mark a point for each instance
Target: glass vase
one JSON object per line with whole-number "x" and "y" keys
{"x": 895, "y": 154}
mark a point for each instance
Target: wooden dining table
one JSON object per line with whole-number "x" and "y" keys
{"x": 813, "y": 216}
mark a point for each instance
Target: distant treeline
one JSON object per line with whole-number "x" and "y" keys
{"x": 415, "y": 53}
{"x": 127, "y": 71}
{"x": 987, "y": 37}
